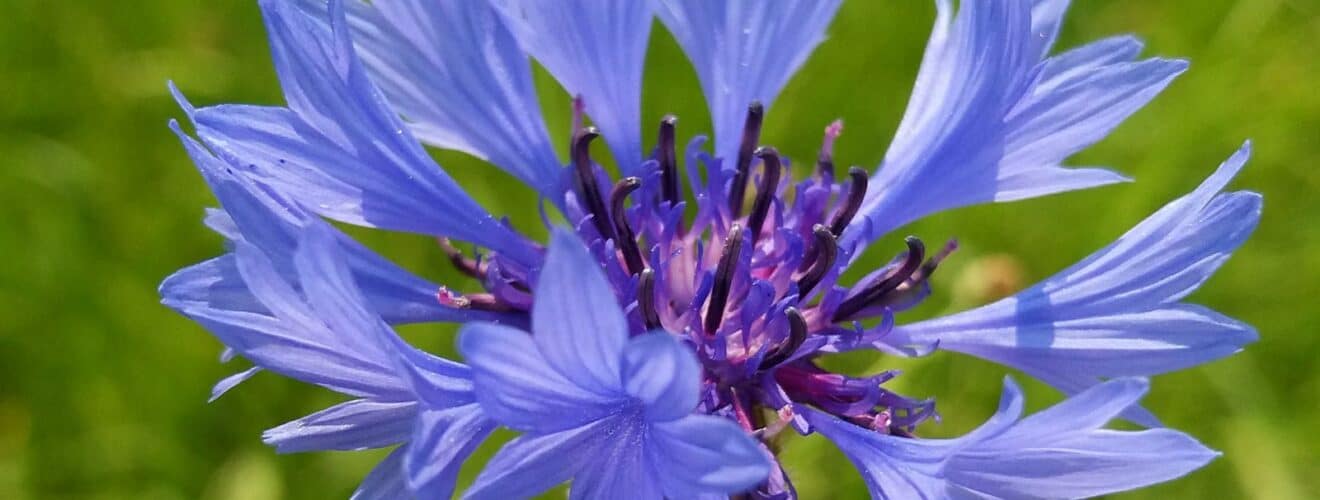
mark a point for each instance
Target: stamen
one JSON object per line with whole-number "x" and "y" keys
{"x": 646, "y": 299}
{"x": 856, "y": 193}
{"x": 765, "y": 193}
{"x": 751, "y": 136}
{"x": 477, "y": 301}
{"x": 579, "y": 112}
{"x": 916, "y": 252}
{"x": 487, "y": 302}
{"x": 719, "y": 293}
{"x": 825, "y": 161}
{"x": 586, "y": 179}
{"x": 626, "y": 241}
{"x": 666, "y": 155}
{"x": 463, "y": 263}
{"x": 767, "y": 434}
{"x": 742, "y": 411}
{"x": 827, "y": 249}
{"x": 797, "y": 334}
{"x": 928, "y": 268}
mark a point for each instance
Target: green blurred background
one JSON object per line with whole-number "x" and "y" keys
{"x": 103, "y": 391}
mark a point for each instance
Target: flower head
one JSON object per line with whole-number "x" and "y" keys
{"x": 659, "y": 345}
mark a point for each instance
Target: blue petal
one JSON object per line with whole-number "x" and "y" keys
{"x": 744, "y": 51}
{"x": 518, "y": 388}
{"x": 355, "y": 425}
{"x": 618, "y": 467}
{"x": 1073, "y": 64}
{"x": 702, "y": 454}
{"x": 290, "y": 340}
{"x": 662, "y": 372}
{"x": 1046, "y": 17}
{"x": 386, "y": 481}
{"x": 579, "y": 326}
{"x": 990, "y": 121}
{"x": 338, "y": 149}
{"x": 272, "y": 224}
{"x": 230, "y": 382}
{"x": 436, "y": 382}
{"x": 533, "y": 463}
{"x": 458, "y": 78}
{"x": 325, "y": 334}
{"x": 1061, "y": 452}
{"x": 1118, "y": 312}
{"x": 596, "y": 49}
{"x": 333, "y": 295}
{"x": 1069, "y": 112}
{"x": 212, "y": 284}
{"x": 894, "y": 468}
{"x": 442, "y": 441}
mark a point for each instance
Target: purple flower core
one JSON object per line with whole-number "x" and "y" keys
{"x": 751, "y": 287}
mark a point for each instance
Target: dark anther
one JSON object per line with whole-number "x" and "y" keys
{"x": 797, "y": 334}
{"x": 912, "y": 262}
{"x": 827, "y": 249}
{"x": 856, "y": 193}
{"x": 463, "y": 263}
{"x": 750, "y": 137}
{"x": 765, "y": 192}
{"x": 666, "y": 155}
{"x": 586, "y": 180}
{"x": 719, "y": 293}
{"x": 646, "y": 299}
{"x": 627, "y": 241}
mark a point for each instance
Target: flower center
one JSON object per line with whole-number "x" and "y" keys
{"x": 753, "y": 291}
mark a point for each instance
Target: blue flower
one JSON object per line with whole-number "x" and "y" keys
{"x": 659, "y": 345}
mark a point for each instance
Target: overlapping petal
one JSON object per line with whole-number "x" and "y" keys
{"x": 596, "y": 49}
{"x": 292, "y": 341}
{"x": 338, "y": 149}
{"x": 354, "y": 425}
{"x": 579, "y": 325}
{"x": 627, "y": 433}
{"x": 661, "y": 372}
{"x": 442, "y": 440}
{"x": 1119, "y": 311}
{"x": 386, "y": 481}
{"x": 617, "y": 468}
{"x": 990, "y": 121}
{"x": 458, "y": 78}
{"x": 744, "y": 51}
{"x": 519, "y": 388}
{"x": 323, "y": 332}
{"x": 1061, "y": 452}
{"x": 533, "y": 463}
{"x": 704, "y": 454}
{"x": 272, "y": 224}
{"x": 1046, "y": 18}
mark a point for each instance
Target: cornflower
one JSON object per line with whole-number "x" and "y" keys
{"x": 660, "y": 344}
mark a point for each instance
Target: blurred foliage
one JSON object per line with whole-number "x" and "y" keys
{"x": 102, "y": 391}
